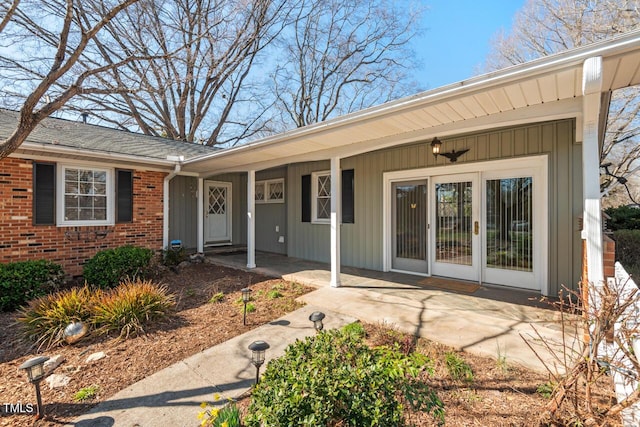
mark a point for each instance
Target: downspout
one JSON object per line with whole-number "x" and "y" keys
{"x": 165, "y": 198}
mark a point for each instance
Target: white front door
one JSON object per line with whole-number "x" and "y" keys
{"x": 217, "y": 214}
{"x": 455, "y": 239}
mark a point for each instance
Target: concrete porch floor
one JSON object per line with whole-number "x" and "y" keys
{"x": 493, "y": 321}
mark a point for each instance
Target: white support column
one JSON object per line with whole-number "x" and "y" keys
{"x": 336, "y": 217}
{"x": 251, "y": 219}
{"x": 592, "y": 216}
{"x": 200, "y": 215}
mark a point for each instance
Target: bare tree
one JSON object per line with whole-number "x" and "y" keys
{"x": 544, "y": 27}
{"x": 201, "y": 88}
{"x": 40, "y": 50}
{"x": 341, "y": 56}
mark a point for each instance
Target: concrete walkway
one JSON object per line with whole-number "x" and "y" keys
{"x": 172, "y": 396}
{"x": 489, "y": 322}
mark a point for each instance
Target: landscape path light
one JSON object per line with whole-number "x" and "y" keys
{"x": 246, "y": 297}
{"x": 316, "y": 317}
{"x": 34, "y": 368}
{"x": 258, "y": 351}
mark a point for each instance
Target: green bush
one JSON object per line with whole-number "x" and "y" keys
{"x": 628, "y": 250}
{"x": 173, "y": 257}
{"x": 334, "y": 378}
{"x": 109, "y": 267}
{"x": 623, "y": 218}
{"x": 23, "y": 281}
{"x": 129, "y": 307}
{"x": 44, "y": 319}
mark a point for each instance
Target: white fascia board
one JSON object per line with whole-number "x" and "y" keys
{"x": 102, "y": 156}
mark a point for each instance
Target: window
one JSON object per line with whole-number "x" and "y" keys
{"x": 321, "y": 196}
{"x": 85, "y": 196}
{"x": 322, "y": 181}
{"x": 270, "y": 191}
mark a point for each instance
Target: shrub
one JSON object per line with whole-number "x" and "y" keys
{"x": 129, "y": 307}
{"x": 217, "y": 297}
{"x": 44, "y": 319}
{"x": 334, "y": 378}
{"x": 109, "y": 267}
{"x": 628, "y": 250}
{"x": 173, "y": 257}
{"x": 623, "y": 218}
{"x": 23, "y": 281}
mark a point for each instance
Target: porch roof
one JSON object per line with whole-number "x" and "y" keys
{"x": 548, "y": 88}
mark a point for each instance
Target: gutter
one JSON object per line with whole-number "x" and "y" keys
{"x": 165, "y": 199}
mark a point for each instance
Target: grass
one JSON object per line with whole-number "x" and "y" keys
{"x": 457, "y": 367}
{"x": 217, "y": 297}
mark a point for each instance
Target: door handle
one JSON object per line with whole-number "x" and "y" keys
{"x": 476, "y": 228}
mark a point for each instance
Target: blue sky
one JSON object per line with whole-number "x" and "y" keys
{"x": 456, "y": 37}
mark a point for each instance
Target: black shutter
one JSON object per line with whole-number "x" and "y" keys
{"x": 306, "y": 198}
{"x": 124, "y": 195}
{"x": 44, "y": 193}
{"x": 348, "y": 213}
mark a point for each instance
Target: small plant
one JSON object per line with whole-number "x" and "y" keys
{"x": 335, "y": 379}
{"x": 86, "y": 393}
{"x": 45, "y": 318}
{"x": 273, "y": 294}
{"x": 227, "y": 416}
{"x": 546, "y": 390}
{"x": 173, "y": 257}
{"x": 110, "y": 267}
{"x": 251, "y": 307}
{"x": 129, "y": 307}
{"x": 217, "y": 297}
{"x": 355, "y": 329}
{"x": 501, "y": 361}
{"x": 458, "y": 368}
{"x": 23, "y": 281}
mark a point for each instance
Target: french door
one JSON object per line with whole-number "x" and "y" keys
{"x": 488, "y": 225}
{"x": 455, "y": 234}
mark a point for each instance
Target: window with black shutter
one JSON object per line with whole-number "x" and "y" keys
{"x": 348, "y": 211}
{"x": 306, "y": 198}
{"x": 124, "y": 195}
{"x": 44, "y": 194}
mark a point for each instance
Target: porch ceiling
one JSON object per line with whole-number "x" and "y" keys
{"x": 545, "y": 89}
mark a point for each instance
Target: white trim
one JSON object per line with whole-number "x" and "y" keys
{"x": 60, "y": 196}
{"x": 336, "y": 219}
{"x": 200, "y": 216}
{"x": 314, "y": 197}
{"x": 537, "y": 162}
{"x": 251, "y": 219}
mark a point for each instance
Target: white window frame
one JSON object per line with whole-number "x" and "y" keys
{"x": 314, "y": 197}
{"x": 60, "y": 196}
{"x": 266, "y": 193}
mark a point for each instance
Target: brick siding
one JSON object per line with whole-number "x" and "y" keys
{"x": 72, "y": 246}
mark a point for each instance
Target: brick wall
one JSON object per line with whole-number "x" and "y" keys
{"x": 70, "y": 247}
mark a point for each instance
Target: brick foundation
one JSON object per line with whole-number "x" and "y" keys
{"x": 72, "y": 246}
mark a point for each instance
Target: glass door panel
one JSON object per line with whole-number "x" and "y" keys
{"x": 509, "y": 231}
{"x": 455, "y": 227}
{"x": 410, "y": 226}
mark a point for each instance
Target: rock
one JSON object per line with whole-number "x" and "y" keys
{"x": 57, "y": 381}
{"x": 53, "y": 363}
{"x": 95, "y": 356}
{"x": 197, "y": 258}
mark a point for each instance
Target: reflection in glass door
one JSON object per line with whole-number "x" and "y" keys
{"x": 455, "y": 227}
{"x": 410, "y": 226}
{"x": 509, "y": 237}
